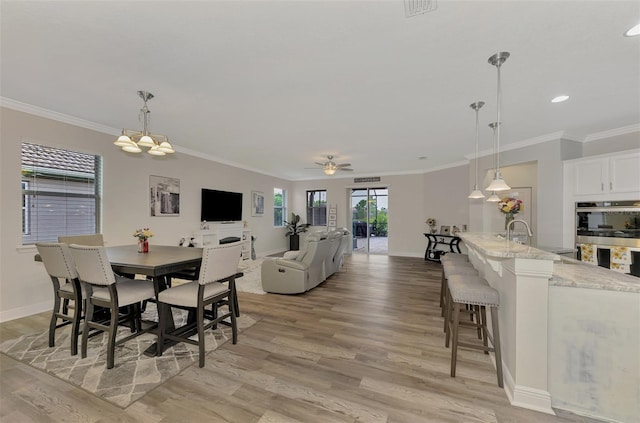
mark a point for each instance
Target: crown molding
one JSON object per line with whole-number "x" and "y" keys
{"x": 59, "y": 117}
{"x": 613, "y": 132}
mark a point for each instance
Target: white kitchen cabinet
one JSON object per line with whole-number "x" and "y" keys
{"x": 611, "y": 174}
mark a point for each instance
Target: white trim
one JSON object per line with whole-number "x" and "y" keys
{"x": 613, "y": 132}
{"x": 60, "y": 117}
{"x": 28, "y": 310}
{"x": 448, "y": 166}
{"x": 520, "y": 396}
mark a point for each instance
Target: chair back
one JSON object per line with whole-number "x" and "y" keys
{"x": 92, "y": 264}
{"x": 57, "y": 259}
{"x": 92, "y": 239}
{"x": 219, "y": 262}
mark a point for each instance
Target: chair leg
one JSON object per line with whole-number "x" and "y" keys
{"x": 233, "y": 311}
{"x": 496, "y": 344}
{"x": 200, "y": 324}
{"x": 75, "y": 326}
{"x": 111, "y": 344}
{"x": 483, "y": 315}
{"x": 454, "y": 342}
{"x": 88, "y": 317}
{"x": 443, "y": 289}
{"x": 54, "y": 320}
{"x": 477, "y": 311}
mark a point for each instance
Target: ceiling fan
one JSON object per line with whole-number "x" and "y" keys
{"x": 330, "y": 167}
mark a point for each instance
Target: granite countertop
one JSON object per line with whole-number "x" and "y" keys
{"x": 490, "y": 245}
{"x": 573, "y": 273}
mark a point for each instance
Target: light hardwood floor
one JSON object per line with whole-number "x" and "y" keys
{"x": 366, "y": 345}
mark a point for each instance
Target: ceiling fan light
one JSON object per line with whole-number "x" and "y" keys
{"x": 146, "y": 141}
{"x": 132, "y": 148}
{"x": 329, "y": 171}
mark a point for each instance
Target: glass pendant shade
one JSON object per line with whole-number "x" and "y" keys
{"x": 498, "y": 184}
{"x": 493, "y": 199}
{"x": 132, "y": 148}
{"x": 155, "y": 151}
{"x": 146, "y": 141}
{"x": 123, "y": 140}
{"x": 476, "y": 193}
{"x": 166, "y": 147}
{"x": 329, "y": 171}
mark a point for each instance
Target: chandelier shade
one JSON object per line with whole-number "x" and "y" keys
{"x": 494, "y": 198}
{"x": 498, "y": 183}
{"x": 131, "y": 140}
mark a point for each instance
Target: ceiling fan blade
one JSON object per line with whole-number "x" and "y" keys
{"x": 343, "y": 165}
{"x": 320, "y": 164}
{"x": 348, "y": 170}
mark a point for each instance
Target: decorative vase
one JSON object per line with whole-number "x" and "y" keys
{"x": 143, "y": 246}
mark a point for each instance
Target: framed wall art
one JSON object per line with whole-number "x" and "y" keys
{"x": 164, "y": 196}
{"x": 257, "y": 203}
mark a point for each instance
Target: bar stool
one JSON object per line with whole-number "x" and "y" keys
{"x": 475, "y": 291}
{"x": 453, "y": 266}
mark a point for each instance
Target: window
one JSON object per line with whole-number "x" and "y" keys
{"x": 279, "y": 207}
{"x": 60, "y": 193}
{"x": 317, "y": 208}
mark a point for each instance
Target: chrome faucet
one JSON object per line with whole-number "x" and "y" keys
{"x": 511, "y": 224}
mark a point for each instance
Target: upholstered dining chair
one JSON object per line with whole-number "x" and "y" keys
{"x": 91, "y": 239}
{"x": 219, "y": 265}
{"x": 94, "y": 271}
{"x": 66, "y": 287}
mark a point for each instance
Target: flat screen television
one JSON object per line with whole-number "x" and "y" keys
{"x": 221, "y": 206}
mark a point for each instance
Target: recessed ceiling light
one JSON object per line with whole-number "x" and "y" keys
{"x": 633, "y": 31}
{"x": 560, "y": 99}
{"x": 423, "y": 158}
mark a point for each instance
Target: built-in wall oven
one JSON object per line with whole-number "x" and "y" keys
{"x": 615, "y": 223}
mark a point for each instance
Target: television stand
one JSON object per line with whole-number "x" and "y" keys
{"x": 221, "y": 232}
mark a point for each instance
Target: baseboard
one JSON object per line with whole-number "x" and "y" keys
{"x": 16, "y": 313}
{"x": 525, "y": 397}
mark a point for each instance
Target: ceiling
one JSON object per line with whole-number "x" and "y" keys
{"x": 274, "y": 86}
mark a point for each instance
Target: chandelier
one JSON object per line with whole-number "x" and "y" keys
{"x": 131, "y": 141}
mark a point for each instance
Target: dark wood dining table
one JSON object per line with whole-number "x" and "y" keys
{"x": 160, "y": 262}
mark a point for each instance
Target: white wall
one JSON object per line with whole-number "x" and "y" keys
{"x": 24, "y": 286}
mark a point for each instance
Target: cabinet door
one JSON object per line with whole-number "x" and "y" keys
{"x": 590, "y": 177}
{"x": 625, "y": 173}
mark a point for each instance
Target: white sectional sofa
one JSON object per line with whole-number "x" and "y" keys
{"x": 321, "y": 256}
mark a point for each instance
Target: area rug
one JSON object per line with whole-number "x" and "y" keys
{"x": 134, "y": 374}
{"x": 252, "y": 280}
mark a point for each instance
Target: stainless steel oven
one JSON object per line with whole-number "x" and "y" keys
{"x": 615, "y": 223}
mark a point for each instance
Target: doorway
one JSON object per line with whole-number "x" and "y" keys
{"x": 370, "y": 220}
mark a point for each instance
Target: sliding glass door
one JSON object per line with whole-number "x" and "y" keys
{"x": 370, "y": 218}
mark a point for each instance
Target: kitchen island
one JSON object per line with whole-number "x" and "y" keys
{"x": 569, "y": 331}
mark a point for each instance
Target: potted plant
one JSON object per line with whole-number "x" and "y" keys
{"x": 294, "y": 228}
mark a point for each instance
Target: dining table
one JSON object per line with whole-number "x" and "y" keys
{"x": 159, "y": 264}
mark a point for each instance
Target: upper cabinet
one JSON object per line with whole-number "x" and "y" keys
{"x": 604, "y": 175}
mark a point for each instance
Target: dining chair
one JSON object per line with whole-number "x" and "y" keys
{"x": 94, "y": 271}
{"x": 91, "y": 239}
{"x": 66, "y": 287}
{"x": 219, "y": 266}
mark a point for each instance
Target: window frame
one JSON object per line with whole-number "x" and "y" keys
{"x": 315, "y": 217}
{"x": 33, "y": 170}
{"x": 282, "y": 208}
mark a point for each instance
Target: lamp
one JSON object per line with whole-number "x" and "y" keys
{"x": 476, "y": 193}
{"x": 131, "y": 141}
{"x": 498, "y": 184}
{"x": 330, "y": 169}
{"x": 494, "y": 197}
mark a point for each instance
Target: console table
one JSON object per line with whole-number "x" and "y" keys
{"x": 433, "y": 253}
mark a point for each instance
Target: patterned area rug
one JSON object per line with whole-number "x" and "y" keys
{"x": 134, "y": 373}
{"x": 252, "y": 279}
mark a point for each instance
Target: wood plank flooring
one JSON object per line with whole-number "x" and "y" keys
{"x": 365, "y": 346}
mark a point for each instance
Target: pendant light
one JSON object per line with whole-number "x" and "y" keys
{"x": 476, "y": 193}
{"x": 498, "y": 184}
{"x": 494, "y": 197}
